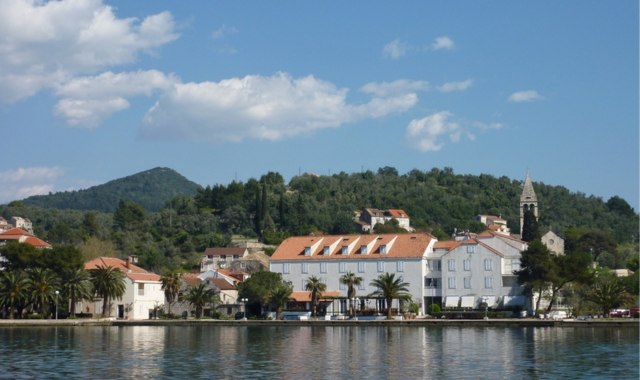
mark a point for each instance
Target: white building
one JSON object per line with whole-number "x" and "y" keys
{"x": 367, "y": 256}
{"x": 221, "y": 257}
{"x": 143, "y": 291}
{"x": 473, "y": 270}
{"x": 369, "y": 217}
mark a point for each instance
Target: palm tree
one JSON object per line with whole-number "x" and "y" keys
{"x": 43, "y": 285}
{"x": 279, "y": 297}
{"x": 351, "y": 280}
{"x": 171, "y": 283}
{"x": 200, "y": 296}
{"x": 14, "y": 290}
{"x": 108, "y": 283}
{"x": 78, "y": 288}
{"x": 316, "y": 287}
{"x": 390, "y": 287}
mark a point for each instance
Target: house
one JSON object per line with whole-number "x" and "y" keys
{"x": 224, "y": 285}
{"x": 4, "y": 225}
{"x": 221, "y": 257}
{"x": 251, "y": 263}
{"x": 367, "y": 256}
{"x": 554, "y": 242}
{"x": 369, "y": 217}
{"x": 143, "y": 291}
{"x": 22, "y": 236}
{"x": 494, "y": 223}
{"x": 22, "y": 223}
{"x": 475, "y": 269}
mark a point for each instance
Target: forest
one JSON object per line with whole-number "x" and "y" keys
{"x": 268, "y": 209}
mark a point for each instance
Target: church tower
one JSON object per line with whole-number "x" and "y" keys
{"x": 528, "y": 200}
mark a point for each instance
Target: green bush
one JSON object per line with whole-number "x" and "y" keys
{"x": 434, "y": 309}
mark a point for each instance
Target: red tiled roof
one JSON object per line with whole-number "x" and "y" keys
{"x": 36, "y": 242}
{"x": 398, "y": 213}
{"x": 132, "y": 271}
{"x": 26, "y": 237}
{"x": 221, "y": 283}
{"x": 396, "y": 245}
{"x": 17, "y": 232}
{"x": 191, "y": 279}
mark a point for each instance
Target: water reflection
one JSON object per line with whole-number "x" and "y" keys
{"x": 317, "y": 352}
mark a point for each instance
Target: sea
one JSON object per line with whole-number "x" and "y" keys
{"x": 318, "y": 352}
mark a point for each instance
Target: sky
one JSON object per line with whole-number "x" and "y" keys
{"x": 92, "y": 91}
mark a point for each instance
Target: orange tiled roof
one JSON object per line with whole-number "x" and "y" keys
{"x": 396, "y": 245}
{"x": 26, "y": 237}
{"x": 191, "y": 279}
{"x": 132, "y": 271}
{"x": 398, "y": 213}
{"x": 14, "y": 233}
{"x": 221, "y": 283}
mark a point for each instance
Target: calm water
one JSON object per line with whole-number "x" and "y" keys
{"x": 318, "y": 352}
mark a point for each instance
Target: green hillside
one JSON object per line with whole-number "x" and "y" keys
{"x": 151, "y": 189}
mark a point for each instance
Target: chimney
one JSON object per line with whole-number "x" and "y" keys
{"x": 128, "y": 262}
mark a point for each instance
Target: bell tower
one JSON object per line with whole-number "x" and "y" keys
{"x": 528, "y": 200}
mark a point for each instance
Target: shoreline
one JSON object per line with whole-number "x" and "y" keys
{"x": 627, "y": 323}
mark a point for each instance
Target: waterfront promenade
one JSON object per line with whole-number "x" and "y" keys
{"x": 515, "y": 322}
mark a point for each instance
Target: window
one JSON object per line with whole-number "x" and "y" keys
{"x": 305, "y": 267}
{"x": 400, "y": 266}
{"x": 467, "y": 264}
{"x": 323, "y": 267}
{"x": 140, "y": 289}
{"x": 487, "y": 264}
{"x": 236, "y": 257}
{"x": 363, "y": 249}
{"x": 380, "y": 266}
{"x": 467, "y": 282}
{"x": 488, "y": 282}
{"x": 471, "y": 248}
{"x": 383, "y": 249}
{"x": 325, "y": 250}
{"x": 307, "y": 251}
{"x": 345, "y": 250}
{"x": 361, "y": 267}
{"x": 515, "y": 265}
{"x": 452, "y": 265}
{"x": 223, "y": 257}
{"x": 451, "y": 281}
{"x": 286, "y": 268}
{"x": 434, "y": 265}
{"x": 430, "y": 282}
{"x": 361, "y": 286}
{"x": 343, "y": 286}
{"x": 343, "y": 267}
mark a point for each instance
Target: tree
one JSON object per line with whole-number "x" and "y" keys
{"x": 14, "y": 290}
{"x": 259, "y": 289}
{"x": 280, "y": 296}
{"x": 200, "y": 296}
{"x": 316, "y": 287}
{"x": 535, "y": 269}
{"x": 43, "y": 286}
{"x": 608, "y": 291}
{"x": 171, "y": 283}
{"x": 565, "y": 269}
{"x": 389, "y": 287}
{"x": 351, "y": 281}
{"x": 108, "y": 283}
{"x": 530, "y": 229}
{"x": 78, "y": 287}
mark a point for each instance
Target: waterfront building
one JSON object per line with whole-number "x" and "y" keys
{"x": 367, "y": 256}
{"x": 221, "y": 257}
{"x": 143, "y": 294}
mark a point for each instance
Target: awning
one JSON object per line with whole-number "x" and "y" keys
{"x": 467, "y": 301}
{"x": 451, "y": 301}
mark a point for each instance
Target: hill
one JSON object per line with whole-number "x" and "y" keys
{"x": 151, "y": 189}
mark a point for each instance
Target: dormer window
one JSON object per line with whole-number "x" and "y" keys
{"x": 325, "y": 250}
{"x": 307, "y": 251}
{"x": 345, "y": 250}
{"x": 383, "y": 249}
{"x": 363, "y": 249}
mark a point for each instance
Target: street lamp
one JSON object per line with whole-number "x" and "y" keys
{"x": 244, "y": 308}
{"x": 57, "y": 294}
{"x": 485, "y": 300}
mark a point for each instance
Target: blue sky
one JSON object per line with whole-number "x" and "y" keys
{"x": 92, "y": 91}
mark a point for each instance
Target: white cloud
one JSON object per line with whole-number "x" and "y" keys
{"x": 87, "y": 101}
{"x": 223, "y": 31}
{"x": 43, "y": 44}
{"x": 443, "y": 42}
{"x": 525, "y": 96}
{"x": 263, "y": 107}
{"x": 455, "y": 86}
{"x": 24, "y": 182}
{"x": 395, "y": 49}
{"x": 428, "y": 134}
{"x": 400, "y": 86}
{"x": 425, "y": 134}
